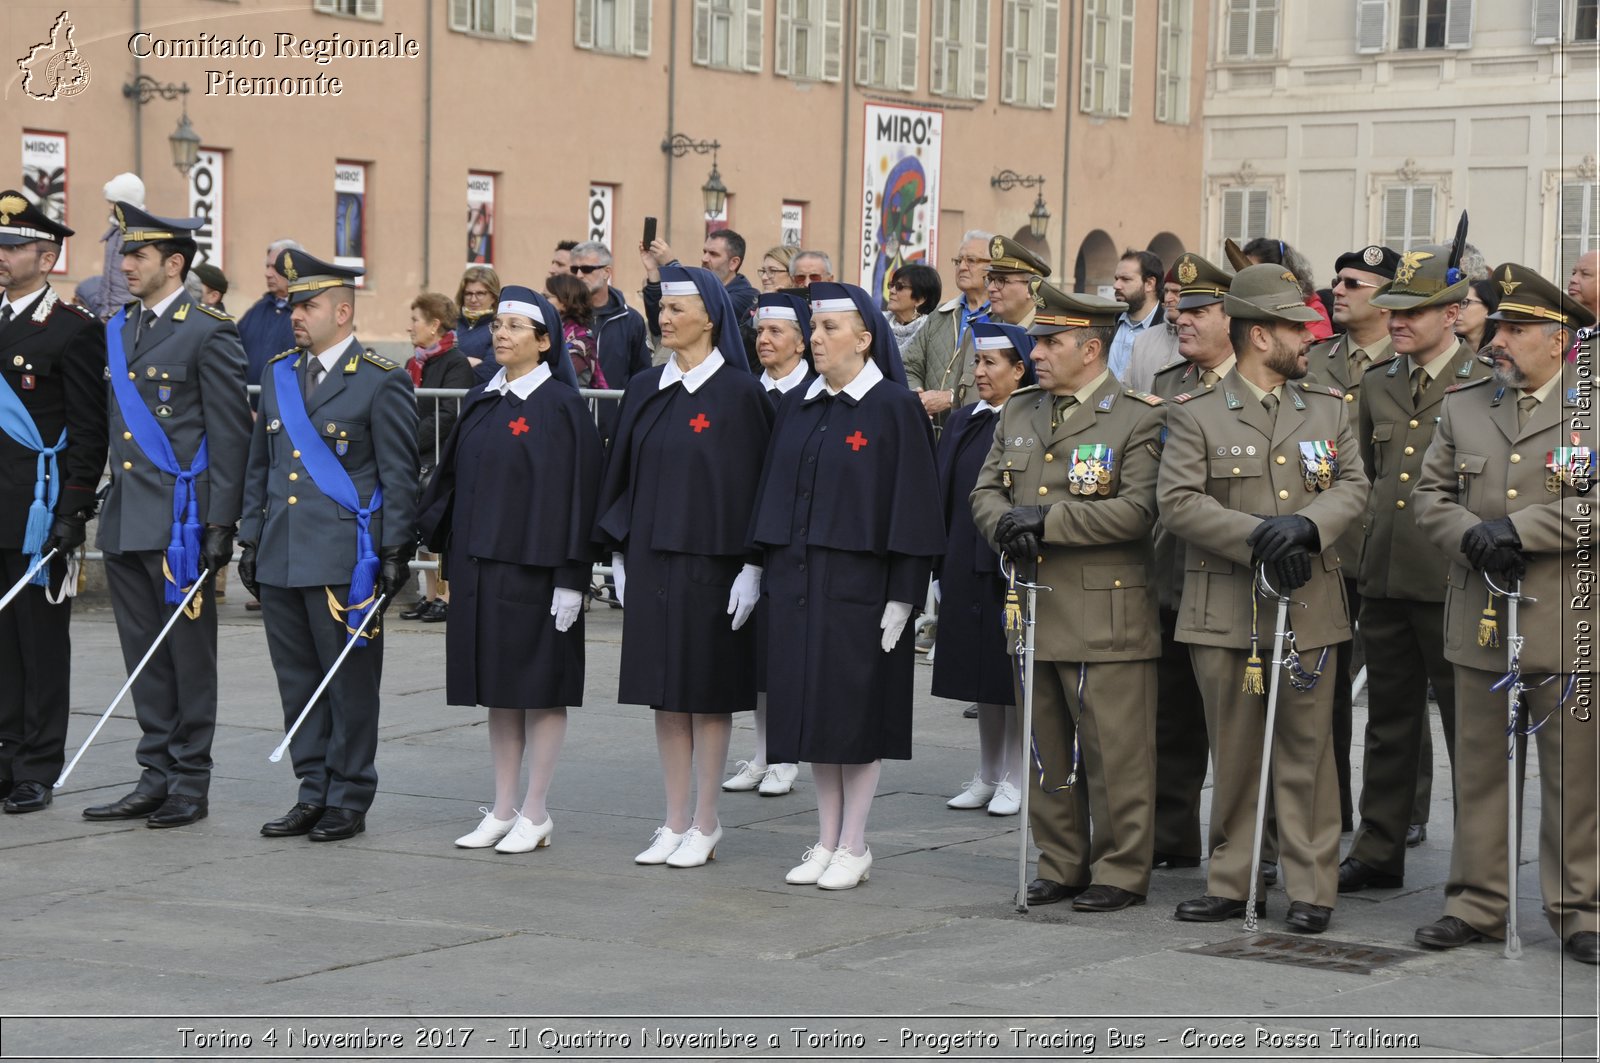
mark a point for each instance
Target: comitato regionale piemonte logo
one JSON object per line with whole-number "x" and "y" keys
{"x": 54, "y": 68}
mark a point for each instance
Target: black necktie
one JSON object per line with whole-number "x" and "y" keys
{"x": 147, "y": 321}
{"x": 5, "y": 315}
{"x": 313, "y": 375}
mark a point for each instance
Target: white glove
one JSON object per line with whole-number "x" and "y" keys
{"x": 565, "y": 607}
{"x": 618, "y": 577}
{"x": 895, "y": 615}
{"x": 744, "y": 595}
{"x": 938, "y": 593}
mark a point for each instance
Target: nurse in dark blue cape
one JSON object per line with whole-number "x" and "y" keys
{"x": 971, "y": 659}
{"x": 510, "y": 507}
{"x": 675, "y": 507}
{"x": 783, "y": 330}
{"x": 849, "y": 518}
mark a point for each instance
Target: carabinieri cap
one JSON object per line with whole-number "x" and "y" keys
{"x": 22, "y": 223}
{"x": 309, "y": 276}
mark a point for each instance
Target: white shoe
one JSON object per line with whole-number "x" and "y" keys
{"x": 1007, "y": 799}
{"x": 489, "y": 831}
{"x": 846, "y": 870}
{"x": 696, "y": 848}
{"x": 526, "y": 836}
{"x": 748, "y": 777}
{"x": 779, "y": 779}
{"x": 811, "y": 867}
{"x": 662, "y": 845}
{"x": 976, "y": 795}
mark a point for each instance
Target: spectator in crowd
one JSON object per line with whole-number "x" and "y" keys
{"x": 561, "y": 257}
{"x": 265, "y": 329}
{"x": 213, "y": 286}
{"x": 1156, "y": 348}
{"x": 1270, "y": 249}
{"x": 1584, "y": 282}
{"x": 87, "y": 294}
{"x": 113, "y": 293}
{"x": 436, "y": 363}
{"x": 577, "y": 328}
{"x": 774, "y": 271}
{"x": 1474, "y": 327}
{"x": 477, "y": 295}
{"x": 722, "y": 254}
{"x": 1137, "y": 282}
{"x": 938, "y": 357}
{"x": 619, "y": 330}
{"x": 811, "y": 267}
{"x": 913, "y": 294}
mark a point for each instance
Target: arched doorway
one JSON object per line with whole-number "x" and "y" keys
{"x": 1097, "y": 263}
{"x": 1167, "y": 248}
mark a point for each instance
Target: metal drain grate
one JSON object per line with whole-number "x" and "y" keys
{"x": 1316, "y": 954}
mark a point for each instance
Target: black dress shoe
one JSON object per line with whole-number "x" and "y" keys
{"x": 1416, "y": 834}
{"x": 437, "y": 612}
{"x": 28, "y": 796}
{"x": 133, "y": 806}
{"x": 970, "y": 712}
{"x": 1101, "y": 898}
{"x": 1447, "y": 933}
{"x": 298, "y": 820}
{"x": 1355, "y": 876}
{"x": 1161, "y": 859}
{"x": 1307, "y": 917}
{"x": 418, "y": 607}
{"x": 1584, "y": 946}
{"x": 1269, "y": 872}
{"x": 178, "y": 811}
{"x": 1049, "y": 891}
{"x": 1209, "y": 909}
{"x": 338, "y": 824}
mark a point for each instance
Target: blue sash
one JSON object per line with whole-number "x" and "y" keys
{"x": 17, "y": 423}
{"x": 183, "y": 548}
{"x": 327, "y": 472}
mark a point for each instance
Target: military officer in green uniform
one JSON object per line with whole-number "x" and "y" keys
{"x": 1340, "y": 362}
{"x": 1402, "y": 575}
{"x": 1012, "y": 271}
{"x": 1070, "y": 481}
{"x": 1506, "y": 490}
{"x": 1181, "y": 746}
{"x": 1263, "y": 469}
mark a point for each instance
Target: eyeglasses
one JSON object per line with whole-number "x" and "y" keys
{"x": 773, "y": 271}
{"x": 811, "y": 278}
{"x": 968, "y": 260}
{"x": 477, "y": 295}
{"x": 584, "y": 270}
{"x": 1002, "y": 279}
{"x": 1352, "y": 284}
{"x": 509, "y": 326}
{"x": 1473, "y": 302}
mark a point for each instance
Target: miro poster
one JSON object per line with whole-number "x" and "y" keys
{"x": 899, "y": 193}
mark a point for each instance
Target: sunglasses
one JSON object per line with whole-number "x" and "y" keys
{"x": 899, "y": 286}
{"x": 584, "y": 270}
{"x": 811, "y": 278}
{"x": 1352, "y": 284}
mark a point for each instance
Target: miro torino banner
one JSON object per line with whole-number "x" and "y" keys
{"x": 899, "y": 192}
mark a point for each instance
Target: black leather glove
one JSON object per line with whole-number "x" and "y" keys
{"x": 216, "y": 549}
{"x": 67, "y": 533}
{"x": 393, "y": 571}
{"x": 247, "y": 570}
{"x": 1022, "y": 549}
{"x": 1490, "y": 540}
{"x": 1020, "y": 520}
{"x": 1276, "y": 536}
{"x": 1291, "y": 571}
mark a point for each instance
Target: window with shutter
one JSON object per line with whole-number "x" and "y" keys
{"x": 960, "y": 66}
{"x": 755, "y": 37}
{"x": 1546, "y": 21}
{"x": 639, "y": 38}
{"x": 936, "y": 51}
{"x": 906, "y": 49}
{"x": 1246, "y": 214}
{"x": 1108, "y": 42}
{"x": 810, "y": 39}
{"x": 1124, "y": 102}
{"x": 1250, "y": 30}
{"x": 1028, "y": 48}
{"x": 1172, "y": 62}
{"x": 1585, "y": 24}
{"x": 506, "y": 19}
{"x": 979, "y": 52}
{"x": 1372, "y": 23}
{"x": 367, "y": 10}
{"x": 621, "y": 27}
{"x": 1408, "y": 216}
{"x": 1433, "y": 24}
{"x": 1458, "y": 24}
{"x": 727, "y": 34}
{"x": 1578, "y": 215}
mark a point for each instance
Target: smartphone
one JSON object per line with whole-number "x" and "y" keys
{"x": 649, "y": 232}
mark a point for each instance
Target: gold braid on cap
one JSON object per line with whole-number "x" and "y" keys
{"x": 1535, "y": 311}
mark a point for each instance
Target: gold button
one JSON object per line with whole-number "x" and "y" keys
{"x": 1044, "y": 490}
{"x": 294, "y": 454}
{"x": 1463, "y": 465}
{"x": 1283, "y": 495}
{"x": 1008, "y": 461}
{"x": 1405, "y": 477}
{"x": 1049, "y": 457}
{"x": 294, "y": 476}
{"x": 1400, "y": 504}
{"x": 343, "y": 434}
{"x": 127, "y": 435}
{"x": 164, "y": 376}
{"x": 1236, "y": 470}
{"x": 1412, "y": 423}
{"x": 1410, "y": 451}
{"x": 127, "y": 465}
{"x": 1282, "y": 459}
{"x": 1511, "y": 493}
{"x": 1116, "y": 583}
{"x": 1202, "y": 564}
{"x": 132, "y": 375}
{"x": 293, "y": 500}
{"x": 1515, "y": 458}
{"x": 1349, "y": 397}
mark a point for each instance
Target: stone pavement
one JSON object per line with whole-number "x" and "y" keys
{"x": 201, "y": 927}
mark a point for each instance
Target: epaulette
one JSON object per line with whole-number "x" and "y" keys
{"x": 292, "y": 351}
{"x": 213, "y": 311}
{"x": 1187, "y": 395}
{"x": 1381, "y": 363}
{"x": 1144, "y": 396}
{"x": 82, "y": 311}
{"x": 1179, "y": 364}
{"x": 1467, "y": 384}
{"x": 379, "y": 360}
{"x": 1031, "y": 389}
{"x": 1320, "y": 389}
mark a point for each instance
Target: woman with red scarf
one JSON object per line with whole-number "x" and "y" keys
{"x": 436, "y": 363}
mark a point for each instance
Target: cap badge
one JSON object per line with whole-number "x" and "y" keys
{"x": 1034, "y": 284}
{"x": 122, "y": 223}
{"x": 1290, "y": 277}
{"x": 1187, "y": 271}
{"x": 1508, "y": 285}
{"x": 10, "y": 205}
{"x": 289, "y": 271}
{"x": 1372, "y": 256}
{"x": 997, "y": 248}
{"x": 1409, "y": 262}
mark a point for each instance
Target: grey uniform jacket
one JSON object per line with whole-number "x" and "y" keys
{"x": 365, "y": 413}
{"x": 190, "y": 373}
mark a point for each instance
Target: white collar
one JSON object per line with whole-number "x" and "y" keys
{"x": 988, "y": 407}
{"x": 28, "y": 300}
{"x": 330, "y": 357}
{"x": 1141, "y": 323}
{"x": 782, "y": 385}
{"x": 671, "y": 374}
{"x": 857, "y": 389}
{"x": 161, "y": 307}
{"x": 524, "y": 385}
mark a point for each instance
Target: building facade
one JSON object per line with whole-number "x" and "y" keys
{"x": 415, "y": 137}
{"x": 1333, "y": 125}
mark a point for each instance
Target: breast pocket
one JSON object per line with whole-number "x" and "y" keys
{"x": 1233, "y": 479}
{"x": 1469, "y": 477}
{"x": 347, "y": 439}
{"x": 1381, "y": 434}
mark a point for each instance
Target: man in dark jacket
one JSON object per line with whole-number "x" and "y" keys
{"x": 264, "y": 329}
{"x": 722, "y": 254}
{"x": 619, "y": 330}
